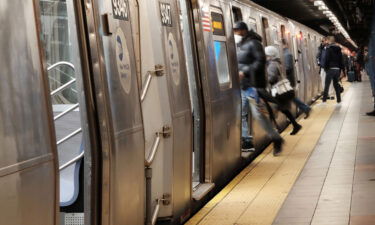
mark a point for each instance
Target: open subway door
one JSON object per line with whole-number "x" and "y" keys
{"x": 28, "y": 156}
{"x": 221, "y": 92}
{"x": 113, "y": 57}
{"x": 166, "y": 111}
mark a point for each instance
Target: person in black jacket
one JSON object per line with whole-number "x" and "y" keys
{"x": 332, "y": 65}
{"x": 252, "y": 64}
{"x": 289, "y": 69}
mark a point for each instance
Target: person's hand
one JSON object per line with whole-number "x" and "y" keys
{"x": 241, "y": 74}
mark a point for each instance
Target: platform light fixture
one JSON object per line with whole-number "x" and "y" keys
{"x": 326, "y": 11}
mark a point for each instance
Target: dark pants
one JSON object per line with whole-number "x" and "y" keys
{"x": 266, "y": 96}
{"x": 332, "y": 75}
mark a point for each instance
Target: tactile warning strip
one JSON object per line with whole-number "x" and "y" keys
{"x": 257, "y": 193}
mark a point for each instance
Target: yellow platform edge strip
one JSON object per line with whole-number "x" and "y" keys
{"x": 320, "y": 116}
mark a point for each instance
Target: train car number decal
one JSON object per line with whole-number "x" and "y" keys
{"x": 166, "y": 14}
{"x": 120, "y": 9}
{"x": 123, "y": 61}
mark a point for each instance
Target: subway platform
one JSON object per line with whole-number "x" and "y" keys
{"x": 325, "y": 175}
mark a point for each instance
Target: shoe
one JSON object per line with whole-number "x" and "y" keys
{"x": 307, "y": 113}
{"x": 247, "y": 146}
{"x": 371, "y": 113}
{"x": 332, "y": 98}
{"x": 296, "y": 129}
{"x": 338, "y": 101}
{"x": 278, "y": 147}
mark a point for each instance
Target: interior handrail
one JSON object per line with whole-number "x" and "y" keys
{"x": 61, "y": 63}
{"x": 66, "y": 111}
{"x": 74, "y": 133}
{"x": 72, "y": 161}
{"x": 63, "y": 87}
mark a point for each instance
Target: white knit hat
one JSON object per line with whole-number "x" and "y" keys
{"x": 272, "y": 51}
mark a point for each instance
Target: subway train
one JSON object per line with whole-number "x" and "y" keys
{"x": 128, "y": 111}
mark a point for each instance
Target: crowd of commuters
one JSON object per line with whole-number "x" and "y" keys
{"x": 262, "y": 74}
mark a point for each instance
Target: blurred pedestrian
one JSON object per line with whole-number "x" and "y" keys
{"x": 275, "y": 75}
{"x": 333, "y": 66}
{"x": 251, "y": 64}
{"x": 289, "y": 69}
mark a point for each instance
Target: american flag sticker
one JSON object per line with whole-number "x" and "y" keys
{"x": 206, "y": 21}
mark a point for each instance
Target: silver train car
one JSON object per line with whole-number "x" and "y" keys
{"x": 127, "y": 111}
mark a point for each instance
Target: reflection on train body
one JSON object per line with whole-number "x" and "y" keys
{"x": 133, "y": 107}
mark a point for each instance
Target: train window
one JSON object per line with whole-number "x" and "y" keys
{"x": 253, "y": 24}
{"x": 274, "y": 36}
{"x": 237, "y": 14}
{"x": 220, "y": 48}
{"x": 265, "y": 31}
{"x": 221, "y": 58}
{"x": 282, "y": 29}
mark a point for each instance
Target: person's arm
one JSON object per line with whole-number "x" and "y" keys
{"x": 256, "y": 50}
{"x": 289, "y": 61}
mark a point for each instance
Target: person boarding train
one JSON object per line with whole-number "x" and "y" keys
{"x": 251, "y": 64}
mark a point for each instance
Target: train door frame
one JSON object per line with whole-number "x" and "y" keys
{"x": 196, "y": 93}
{"x": 250, "y": 20}
{"x": 215, "y": 94}
{"x": 93, "y": 28}
{"x": 91, "y": 142}
{"x": 160, "y": 34}
{"x": 300, "y": 60}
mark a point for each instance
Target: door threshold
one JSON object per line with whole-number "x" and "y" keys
{"x": 202, "y": 190}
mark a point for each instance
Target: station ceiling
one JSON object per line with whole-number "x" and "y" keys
{"x": 354, "y": 15}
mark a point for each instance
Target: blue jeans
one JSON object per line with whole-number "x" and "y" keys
{"x": 245, "y": 95}
{"x": 301, "y": 105}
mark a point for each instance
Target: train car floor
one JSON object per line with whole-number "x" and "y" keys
{"x": 325, "y": 174}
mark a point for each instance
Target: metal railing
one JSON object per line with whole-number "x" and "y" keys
{"x": 154, "y": 148}
{"x": 70, "y": 109}
{"x": 147, "y": 86}
{"x": 72, "y": 161}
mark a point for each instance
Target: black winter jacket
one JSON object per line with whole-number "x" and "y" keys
{"x": 333, "y": 57}
{"x": 251, "y": 61}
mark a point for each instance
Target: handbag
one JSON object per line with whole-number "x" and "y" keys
{"x": 283, "y": 90}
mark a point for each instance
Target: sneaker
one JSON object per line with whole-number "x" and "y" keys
{"x": 296, "y": 129}
{"x": 307, "y": 113}
{"x": 278, "y": 147}
{"x": 371, "y": 113}
{"x": 247, "y": 146}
